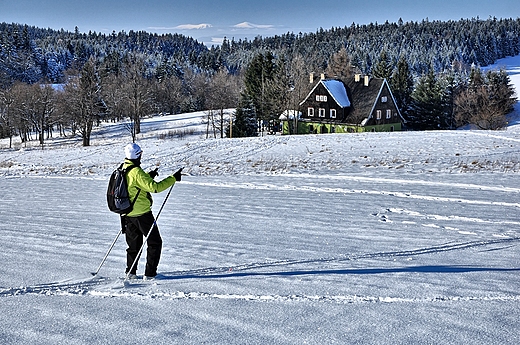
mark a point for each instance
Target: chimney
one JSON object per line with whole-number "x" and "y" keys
{"x": 323, "y": 76}
{"x": 367, "y": 79}
{"x": 311, "y": 78}
{"x": 357, "y": 78}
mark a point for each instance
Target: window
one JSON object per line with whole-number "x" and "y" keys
{"x": 384, "y": 99}
{"x": 321, "y": 98}
{"x": 333, "y": 113}
{"x": 388, "y": 114}
{"x": 378, "y": 114}
{"x": 321, "y": 112}
{"x": 310, "y": 112}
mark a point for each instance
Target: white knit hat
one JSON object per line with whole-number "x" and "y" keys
{"x": 133, "y": 151}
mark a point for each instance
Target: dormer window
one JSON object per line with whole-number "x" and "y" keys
{"x": 321, "y": 98}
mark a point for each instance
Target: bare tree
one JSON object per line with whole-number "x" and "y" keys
{"x": 169, "y": 94}
{"x": 7, "y": 114}
{"x": 223, "y": 93}
{"x": 83, "y": 99}
{"x": 138, "y": 92}
{"x": 62, "y": 115}
{"x": 486, "y": 102}
{"x": 114, "y": 97}
{"x": 20, "y": 111}
{"x": 300, "y": 87}
{"x": 33, "y": 105}
{"x": 196, "y": 88}
{"x": 340, "y": 65}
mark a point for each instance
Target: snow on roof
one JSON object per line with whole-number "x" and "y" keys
{"x": 337, "y": 91}
{"x": 290, "y": 115}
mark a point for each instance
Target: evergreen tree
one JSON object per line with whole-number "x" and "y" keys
{"x": 503, "y": 92}
{"x": 476, "y": 78}
{"x": 279, "y": 92}
{"x": 245, "y": 123}
{"x": 258, "y": 80}
{"x": 428, "y": 109}
{"x": 383, "y": 68}
{"x": 402, "y": 86}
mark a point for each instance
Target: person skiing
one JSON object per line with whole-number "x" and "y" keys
{"x": 140, "y": 220}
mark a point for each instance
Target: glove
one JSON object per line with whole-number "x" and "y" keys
{"x": 154, "y": 173}
{"x": 178, "y": 175}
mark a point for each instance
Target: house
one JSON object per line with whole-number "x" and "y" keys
{"x": 361, "y": 104}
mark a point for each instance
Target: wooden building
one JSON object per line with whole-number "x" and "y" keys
{"x": 361, "y": 104}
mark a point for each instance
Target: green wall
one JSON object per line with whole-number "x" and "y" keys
{"x": 315, "y": 127}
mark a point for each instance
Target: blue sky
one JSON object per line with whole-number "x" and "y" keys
{"x": 208, "y": 20}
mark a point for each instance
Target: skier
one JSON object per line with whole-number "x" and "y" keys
{"x": 138, "y": 222}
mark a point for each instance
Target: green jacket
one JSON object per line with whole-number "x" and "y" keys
{"x": 138, "y": 178}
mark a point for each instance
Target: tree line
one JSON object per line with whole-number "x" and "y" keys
{"x": 58, "y": 81}
{"x": 98, "y": 92}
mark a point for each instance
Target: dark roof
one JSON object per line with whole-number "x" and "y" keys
{"x": 363, "y": 97}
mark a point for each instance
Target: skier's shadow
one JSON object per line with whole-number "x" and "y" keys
{"x": 359, "y": 271}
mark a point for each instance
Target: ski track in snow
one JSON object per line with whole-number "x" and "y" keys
{"x": 354, "y": 191}
{"x": 104, "y": 287}
{"x": 304, "y": 298}
{"x": 486, "y": 134}
{"x": 405, "y": 182}
{"x": 450, "y": 218}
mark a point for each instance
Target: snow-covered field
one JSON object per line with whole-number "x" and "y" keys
{"x": 376, "y": 238}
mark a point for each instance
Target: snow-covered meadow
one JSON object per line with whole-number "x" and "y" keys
{"x": 375, "y": 238}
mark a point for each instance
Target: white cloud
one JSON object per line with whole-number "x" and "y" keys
{"x": 194, "y": 26}
{"x": 247, "y": 25}
{"x": 183, "y": 27}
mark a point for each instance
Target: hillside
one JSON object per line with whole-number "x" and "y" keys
{"x": 375, "y": 238}
{"x": 371, "y": 238}
{"x": 445, "y": 151}
{"x": 30, "y": 54}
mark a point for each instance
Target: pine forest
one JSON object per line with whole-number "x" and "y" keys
{"x": 55, "y": 82}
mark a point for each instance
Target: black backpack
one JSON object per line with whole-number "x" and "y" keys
{"x": 118, "y": 199}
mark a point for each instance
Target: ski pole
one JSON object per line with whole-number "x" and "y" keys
{"x": 149, "y": 231}
{"x": 108, "y": 252}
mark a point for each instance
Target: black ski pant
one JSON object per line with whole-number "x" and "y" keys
{"x": 136, "y": 229}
